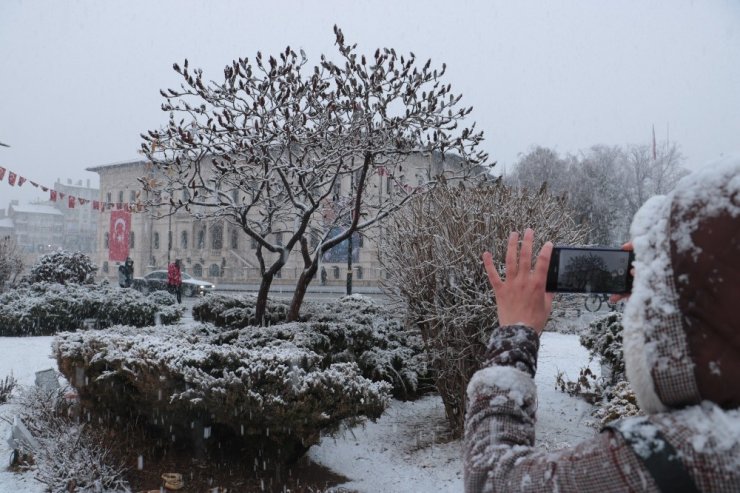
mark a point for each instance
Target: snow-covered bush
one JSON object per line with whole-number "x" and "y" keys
{"x": 47, "y": 308}
{"x": 237, "y": 311}
{"x": 433, "y": 260}
{"x": 262, "y": 387}
{"x": 354, "y": 329}
{"x": 11, "y": 261}
{"x": 71, "y": 455}
{"x": 63, "y": 267}
{"x": 611, "y": 392}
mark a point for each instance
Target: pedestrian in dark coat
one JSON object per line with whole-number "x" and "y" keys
{"x": 682, "y": 355}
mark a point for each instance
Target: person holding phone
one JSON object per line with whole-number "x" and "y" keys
{"x": 682, "y": 355}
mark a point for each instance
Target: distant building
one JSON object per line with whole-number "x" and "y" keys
{"x": 81, "y": 221}
{"x": 6, "y": 225}
{"x": 38, "y": 228}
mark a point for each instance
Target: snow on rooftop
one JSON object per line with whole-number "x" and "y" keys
{"x": 37, "y": 209}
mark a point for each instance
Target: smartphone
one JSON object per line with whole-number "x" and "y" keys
{"x": 590, "y": 270}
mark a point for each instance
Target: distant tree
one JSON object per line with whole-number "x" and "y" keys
{"x": 645, "y": 176}
{"x": 63, "y": 267}
{"x": 283, "y": 151}
{"x": 539, "y": 166}
{"x": 11, "y": 261}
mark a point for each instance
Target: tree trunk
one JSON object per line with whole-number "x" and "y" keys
{"x": 261, "y": 308}
{"x": 300, "y": 291}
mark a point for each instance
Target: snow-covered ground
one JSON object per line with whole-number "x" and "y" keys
{"x": 405, "y": 450}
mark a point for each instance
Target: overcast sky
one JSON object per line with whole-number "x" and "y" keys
{"x": 80, "y": 80}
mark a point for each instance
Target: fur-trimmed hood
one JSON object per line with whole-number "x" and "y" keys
{"x": 681, "y": 333}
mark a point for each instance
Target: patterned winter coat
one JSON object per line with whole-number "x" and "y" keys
{"x": 682, "y": 354}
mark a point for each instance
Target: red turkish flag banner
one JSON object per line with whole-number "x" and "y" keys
{"x": 11, "y": 178}
{"x": 2, "y": 173}
{"x": 71, "y": 202}
{"x": 21, "y": 181}
{"x": 96, "y": 205}
{"x": 53, "y": 195}
{"x": 120, "y": 227}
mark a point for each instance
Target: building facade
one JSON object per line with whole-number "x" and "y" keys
{"x": 81, "y": 221}
{"x": 220, "y": 252}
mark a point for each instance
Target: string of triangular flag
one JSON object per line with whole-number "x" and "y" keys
{"x": 14, "y": 179}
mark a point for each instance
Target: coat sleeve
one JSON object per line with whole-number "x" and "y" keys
{"x": 499, "y": 452}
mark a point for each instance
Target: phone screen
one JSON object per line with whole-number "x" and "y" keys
{"x": 589, "y": 270}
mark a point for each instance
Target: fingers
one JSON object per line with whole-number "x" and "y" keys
{"x": 493, "y": 276}
{"x": 628, "y": 246}
{"x": 525, "y": 257}
{"x": 512, "y": 267}
{"x": 543, "y": 263}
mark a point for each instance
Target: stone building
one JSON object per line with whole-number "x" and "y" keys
{"x": 38, "y": 228}
{"x": 221, "y": 252}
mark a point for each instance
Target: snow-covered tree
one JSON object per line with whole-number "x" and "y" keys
{"x": 11, "y": 261}
{"x": 301, "y": 157}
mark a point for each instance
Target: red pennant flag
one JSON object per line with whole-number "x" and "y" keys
{"x": 119, "y": 206}
{"x": 2, "y": 173}
{"x": 21, "y": 181}
{"x": 96, "y": 205}
{"x": 71, "y": 202}
{"x": 53, "y": 195}
{"x": 82, "y": 201}
{"x": 11, "y": 178}
{"x": 126, "y": 208}
{"x": 45, "y": 189}
{"x": 35, "y": 184}
{"x": 61, "y": 195}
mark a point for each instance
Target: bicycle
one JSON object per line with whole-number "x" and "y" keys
{"x": 594, "y": 301}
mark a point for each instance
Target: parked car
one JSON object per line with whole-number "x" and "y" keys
{"x": 157, "y": 280}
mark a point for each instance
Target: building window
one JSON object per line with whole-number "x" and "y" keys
{"x": 234, "y": 239}
{"x": 214, "y": 270}
{"x": 132, "y": 196}
{"x": 120, "y": 197}
{"x": 108, "y": 197}
{"x": 359, "y": 272}
{"x": 279, "y": 239}
{"x": 235, "y": 196}
{"x": 169, "y": 240}
{"x": 360, "y": 240}
{"x": 389, "y": 185}
{"x": 252, "y": 243}
{"x": 184, "y": 240}
{"x": 131, "y": 239}
{"x": 106, "y": 240}
{"x": 156, "y": 241}
{"x": 197, "y": 270}
{"x": 202, "y": 239}
{"x": 335, "y": 270}
{"x": 217, "y": 236}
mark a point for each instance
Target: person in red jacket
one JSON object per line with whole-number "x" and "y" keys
{"x": 174, "y": 279}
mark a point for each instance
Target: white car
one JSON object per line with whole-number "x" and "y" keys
{"x": 157, "y": 280}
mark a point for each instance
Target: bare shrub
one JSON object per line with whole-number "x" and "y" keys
{"x": 71, "y": 456}
{"x": 7, "y": 387}
{"x": 11, "y": 261}
{"x": 433, "y": 260}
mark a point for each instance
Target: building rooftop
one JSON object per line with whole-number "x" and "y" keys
{"x": 120, "y": 164}
{"x": 36, "y": 209}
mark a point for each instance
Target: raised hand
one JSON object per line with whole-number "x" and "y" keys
{"x": 522, "y": 299}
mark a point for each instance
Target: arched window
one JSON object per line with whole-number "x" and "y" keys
{"x": 336, "y": 272}
{"x": 202, "y": 239}
{"x": 214, "y": 270}
{"x": 131, "y": 239}
{"x": 217, "y": 236}
{"x": 359, "y": 272}
{"x": 234, "y": 239}
{"x": 184, "y": 240}
{"x": 156, "y": 240}
{"x": 106, "y": 240}
{"x": 197, "y": 270}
